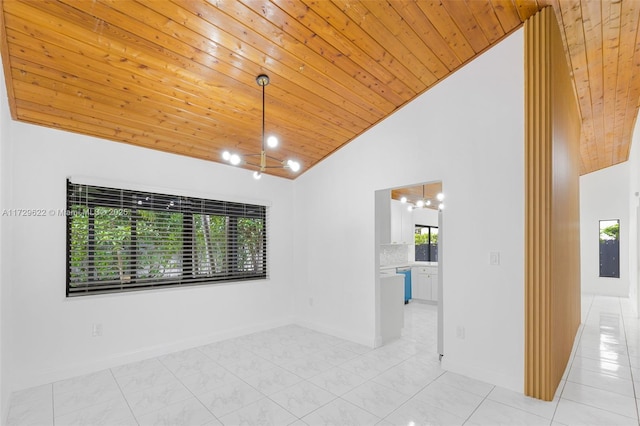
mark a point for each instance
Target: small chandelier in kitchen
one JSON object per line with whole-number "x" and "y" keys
{"x": 265, "y": 161}
{"x": 423, "y": 202}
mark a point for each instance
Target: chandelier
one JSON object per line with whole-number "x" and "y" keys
{"x": 262, "y": 161}
{"x": 423, "y": 202}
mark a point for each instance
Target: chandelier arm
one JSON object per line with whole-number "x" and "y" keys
{"x": 274, "y": 158}
{"x": 258, "y": 166}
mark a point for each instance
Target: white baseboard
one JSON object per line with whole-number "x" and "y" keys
{"x": 484, "y": 374}
{"x": 352, "y": 337}
{"x": 24, "y": 380}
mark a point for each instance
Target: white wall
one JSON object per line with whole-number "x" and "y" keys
{"x": 5, "y": 252}
{"x": 52, "y": 333}
{"x": 468, "y": 131}
{"x": 604, "y": 195}
{"x": 634, "y": 219}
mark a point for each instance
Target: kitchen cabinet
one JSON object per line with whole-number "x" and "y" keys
{"x": 407, "y": 233}
{"x": 396, "y": 222}
{"x": 401, "y": 223}
{"x": 425, "y": 283}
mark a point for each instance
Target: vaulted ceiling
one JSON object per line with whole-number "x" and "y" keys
{"x": 179, "y": 76}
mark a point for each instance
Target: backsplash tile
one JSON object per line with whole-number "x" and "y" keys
{"x": 394, "y": 254}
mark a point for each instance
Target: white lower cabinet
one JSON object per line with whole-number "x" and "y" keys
{"x": 434, "y": 286}
{"x": 424, "y": 283}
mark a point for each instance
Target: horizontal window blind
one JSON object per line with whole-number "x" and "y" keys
{"x": 122, "y": 240}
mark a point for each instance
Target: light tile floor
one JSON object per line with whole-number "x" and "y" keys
{"x": 293, "y": 375}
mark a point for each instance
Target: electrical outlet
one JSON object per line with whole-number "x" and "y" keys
{"x": 494, "y": 258}
{"x": 311, "y": 301}
{"x": 96, "y": 330}
{"x": 460, "y": 332}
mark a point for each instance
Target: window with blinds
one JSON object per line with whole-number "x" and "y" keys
{"x": 121, "y": 240}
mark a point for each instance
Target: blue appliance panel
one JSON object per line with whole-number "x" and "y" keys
{"x": 407, "y": 282}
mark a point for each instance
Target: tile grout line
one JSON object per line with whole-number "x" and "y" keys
{"x": 268, "y": 397}
{"x": 410, "y": 397}
{"x": 577, "y": 342}
{"x": 242, "y": 379}
{"x": 124, "y": 396}
{"x": 481, "y": 402}
{"x": 596, "y": 387}
{"x": 94, "y": 404}
{"x": 53, "y": 407}
{"x": 626, "y": 345}
{"x": 185, "y": 386}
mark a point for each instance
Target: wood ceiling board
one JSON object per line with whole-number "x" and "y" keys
{"x": 507, "y": 14}
{"x": 594, "y": 73}
{"x": 346, "y": 32}
{"x": 406, "y": 38}
{"x": 381, "y": 80}
{"x": 629, "y": 76}
{"x": 6, "y": 64}
{"x": 317, "y": 63}
{"x": 290, "y": 54}
{"x": 422, "y": 26}
{"x": 448, "y": 29}
{"x": 254, "y": 102}
{"x": 390, "y": 42}
{"x": 303, "y": 100}
{"x": 601, "y": 43}
{"x": 466, "y": 22}
{"x": 526, "y": 8}
{"x": 611, "y": 62}
{"x": 487, "y": 20}
{"x": 574, "y": 40}
{"x": 105, "y": 83}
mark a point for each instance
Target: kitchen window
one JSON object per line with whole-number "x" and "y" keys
{"x": 426, "y": 243}
{"x": 122, "y": 240}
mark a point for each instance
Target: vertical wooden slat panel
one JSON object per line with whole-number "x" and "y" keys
{"x": 552, "y": 275}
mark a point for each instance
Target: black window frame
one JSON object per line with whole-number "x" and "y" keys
{"x": 609, "y": 251}
{"x": 431, "y": 256}
{"x": 89, "y": 201}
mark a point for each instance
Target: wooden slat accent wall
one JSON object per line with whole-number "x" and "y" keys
{"x": 552, "y": 252}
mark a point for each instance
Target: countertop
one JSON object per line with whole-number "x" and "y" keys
{"x": 408, "y": 265}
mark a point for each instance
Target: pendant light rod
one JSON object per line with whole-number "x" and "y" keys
{"x": 266, "y": 79}
{"x": 263, "y": 80}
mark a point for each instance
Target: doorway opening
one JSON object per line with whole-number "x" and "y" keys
{"x": 409, "y": 235}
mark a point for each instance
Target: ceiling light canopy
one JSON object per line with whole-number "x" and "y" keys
{"x": 262, "y": 161}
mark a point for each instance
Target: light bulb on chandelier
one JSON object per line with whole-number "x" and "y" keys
{"x": 272, "y": 141}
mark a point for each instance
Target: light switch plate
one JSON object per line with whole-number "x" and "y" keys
{"x": 494, "y": 258}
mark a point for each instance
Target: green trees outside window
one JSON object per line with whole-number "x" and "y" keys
{"x": 426, "y": 243}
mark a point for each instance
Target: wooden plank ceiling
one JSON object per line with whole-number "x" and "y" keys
{"x": 179, "y": 76}
{"x": 602, "y": 44}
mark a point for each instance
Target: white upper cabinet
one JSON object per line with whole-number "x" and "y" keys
{"x": 401, "y": 223}
{"x": 407, "y": 225}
